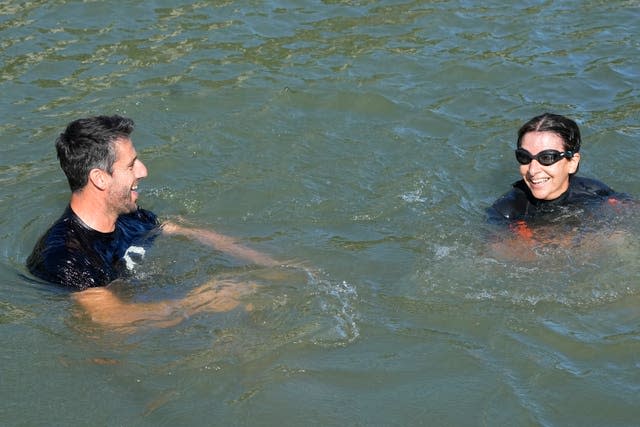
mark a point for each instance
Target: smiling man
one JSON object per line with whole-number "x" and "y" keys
{"x": 91, "y": 244}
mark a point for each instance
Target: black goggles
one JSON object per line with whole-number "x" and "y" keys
{"x": 545, "y": 157}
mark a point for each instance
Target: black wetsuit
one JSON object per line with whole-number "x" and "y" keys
{"x": 583, "y": 194}
{"x": 72, "y": 254}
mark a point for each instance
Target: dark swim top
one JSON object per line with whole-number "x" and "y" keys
{"x": 72, "y": 254}
{"x": 519, "y": 204}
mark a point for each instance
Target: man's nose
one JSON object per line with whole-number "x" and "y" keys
{"x": 141, "y": 169}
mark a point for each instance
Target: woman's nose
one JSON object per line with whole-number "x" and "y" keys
{"x": 534, "y": 166}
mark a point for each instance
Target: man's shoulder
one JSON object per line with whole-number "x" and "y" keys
{"x": 137, "y": 225}
{"x": 141, "y": 216}
{"x": 61, "y": 231}
{"x": 61, "y": 254}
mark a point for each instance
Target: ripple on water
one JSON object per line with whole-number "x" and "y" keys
{"x": 599, "y": 270}
{"x": 315, "y": 309}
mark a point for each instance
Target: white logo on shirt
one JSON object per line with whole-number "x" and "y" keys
{"x": 138, "y": 254}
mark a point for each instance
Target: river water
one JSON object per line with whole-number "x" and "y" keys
{"x": 363, "y": 139}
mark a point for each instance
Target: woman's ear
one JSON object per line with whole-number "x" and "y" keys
{"x": 574, "y": 162}
{"x": 98, "y": 178}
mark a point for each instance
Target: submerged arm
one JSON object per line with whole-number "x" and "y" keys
{"x": 220, "y": 242}
{"x": 107, "y": 309}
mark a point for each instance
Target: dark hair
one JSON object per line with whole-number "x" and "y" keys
{"x": 88, "y": 144}
{"x": 562, "y": 126}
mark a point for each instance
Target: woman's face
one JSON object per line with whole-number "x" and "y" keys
{"x": 547, "y": 182}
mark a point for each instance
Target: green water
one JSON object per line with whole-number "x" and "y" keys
{"x": 364, "y": 138}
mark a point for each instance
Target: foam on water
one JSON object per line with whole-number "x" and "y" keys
{"x": 319, "y": 310}
{"x": 336, "y": 300}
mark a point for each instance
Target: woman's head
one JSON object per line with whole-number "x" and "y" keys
{"x": 562, "y": 126}
{"x": 548, "y": 153}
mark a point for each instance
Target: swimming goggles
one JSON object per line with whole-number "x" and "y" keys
{"x": 545, "y": 157}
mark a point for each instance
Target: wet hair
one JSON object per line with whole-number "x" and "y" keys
{"x": 562, "y": 126}
{"x": 88, "y": 144}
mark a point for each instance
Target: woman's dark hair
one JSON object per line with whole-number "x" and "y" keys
{"x": 88, "y": 144}
{"x": 562, "y": 126}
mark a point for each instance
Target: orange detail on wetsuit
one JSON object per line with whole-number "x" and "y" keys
{"x": 522, "y": 229}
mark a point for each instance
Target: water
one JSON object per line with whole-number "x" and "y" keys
{"x": 364, "y": 139}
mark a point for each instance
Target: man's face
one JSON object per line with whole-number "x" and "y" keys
{"x": 127, "y": 171}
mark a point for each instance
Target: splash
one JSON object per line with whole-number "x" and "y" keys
{"x": 336, "y": 301}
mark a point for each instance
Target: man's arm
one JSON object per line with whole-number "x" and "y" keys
{"x": 107, "y": 309}
{"x": 220, "y": 242}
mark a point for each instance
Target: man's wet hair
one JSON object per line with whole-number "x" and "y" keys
{"x": 88, "y": 144}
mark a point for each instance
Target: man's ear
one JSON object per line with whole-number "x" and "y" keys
{"x": 98, "y": 178}
{"x": 574, "y": 162}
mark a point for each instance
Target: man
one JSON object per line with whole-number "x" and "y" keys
{"x": 91, "y": 244}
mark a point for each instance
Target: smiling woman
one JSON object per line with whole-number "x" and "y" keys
{"x": 549, "y": 192}
{"x": 548, "y": 153}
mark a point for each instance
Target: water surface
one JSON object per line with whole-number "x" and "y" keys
{"x": 364, "y": 138}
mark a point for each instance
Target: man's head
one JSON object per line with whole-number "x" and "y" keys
{"x": 97, "y": 152}
{"x": 88, "y": 144}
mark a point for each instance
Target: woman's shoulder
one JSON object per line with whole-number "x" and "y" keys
{"x": 590, "y": 185}
{"x": 511, "y": 205}
{"x": 582, "y": 187}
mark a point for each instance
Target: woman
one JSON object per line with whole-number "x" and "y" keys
{"x": 550, "y": 204}
{"x": 548, "y": 152}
